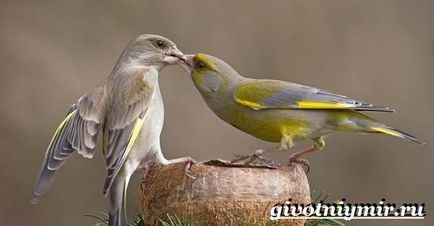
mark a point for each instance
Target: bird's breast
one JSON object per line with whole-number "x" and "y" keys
{"x": 152, "y": 126}
{"x": 272, "y": 124}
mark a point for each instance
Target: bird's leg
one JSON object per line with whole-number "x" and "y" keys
{"x": 295, "y": 158}
{"x": 159, "y": 159}
{"x": 285, "y": 144}
{"x": 256, "y": 155}
{"x": 189, "y": 162}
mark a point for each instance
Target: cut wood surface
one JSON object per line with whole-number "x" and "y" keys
{"x": 221, "y": 193}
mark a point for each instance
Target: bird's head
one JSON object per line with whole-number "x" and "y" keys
{"x": 209, "y": 73}
{"x": 151, "y": 50}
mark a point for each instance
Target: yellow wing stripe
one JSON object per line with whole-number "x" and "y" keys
{"x": 61, "y": 126}
{"x": 321, "y": 105}
{"x": 300, "y": 105}
{"x": 249, "y": 103}
{"x": 135, "y": 133}
{"x": 387, "y": 131}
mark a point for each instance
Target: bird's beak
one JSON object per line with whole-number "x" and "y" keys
{"x": 187, "y": 63}
{"x": 173, "y": 56}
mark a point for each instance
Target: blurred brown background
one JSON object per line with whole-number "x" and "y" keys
{"x": 378, "y": 51}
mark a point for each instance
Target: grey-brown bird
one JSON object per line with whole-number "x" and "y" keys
{"x": 128, "y": 108}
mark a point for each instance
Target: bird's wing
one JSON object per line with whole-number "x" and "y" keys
{"x": 125, "y": 121}
{"x": 77, "y": 132}
{"x": 266, "y": 94}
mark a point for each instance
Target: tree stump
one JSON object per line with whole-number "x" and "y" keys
{"x": 221, "y": 193}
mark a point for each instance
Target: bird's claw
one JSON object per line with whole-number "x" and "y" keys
{"x": 187, "y": 169}
{"x": 146, "y": 165}
{"x": 255, "y": 158}
{"x": 302, "y": 162}
{"x": 250, "y": 158}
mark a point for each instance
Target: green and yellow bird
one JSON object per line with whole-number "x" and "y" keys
{"x": 279, "y": 111}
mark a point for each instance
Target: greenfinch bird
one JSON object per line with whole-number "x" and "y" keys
{"x": 280, "y": 111}
{"x": 128, "y": 109}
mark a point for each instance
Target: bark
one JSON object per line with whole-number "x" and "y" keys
{"x": 221, "y": 193}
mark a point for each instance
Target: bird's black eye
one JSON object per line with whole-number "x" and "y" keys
{"x": 200, "y": 65}
{"x": 160, "y": 44}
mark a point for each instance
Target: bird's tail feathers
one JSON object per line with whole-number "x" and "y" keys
{"x": 117, "y": 212}
{"x": 362, "y": 123}
{"x": 396, "y": 133}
